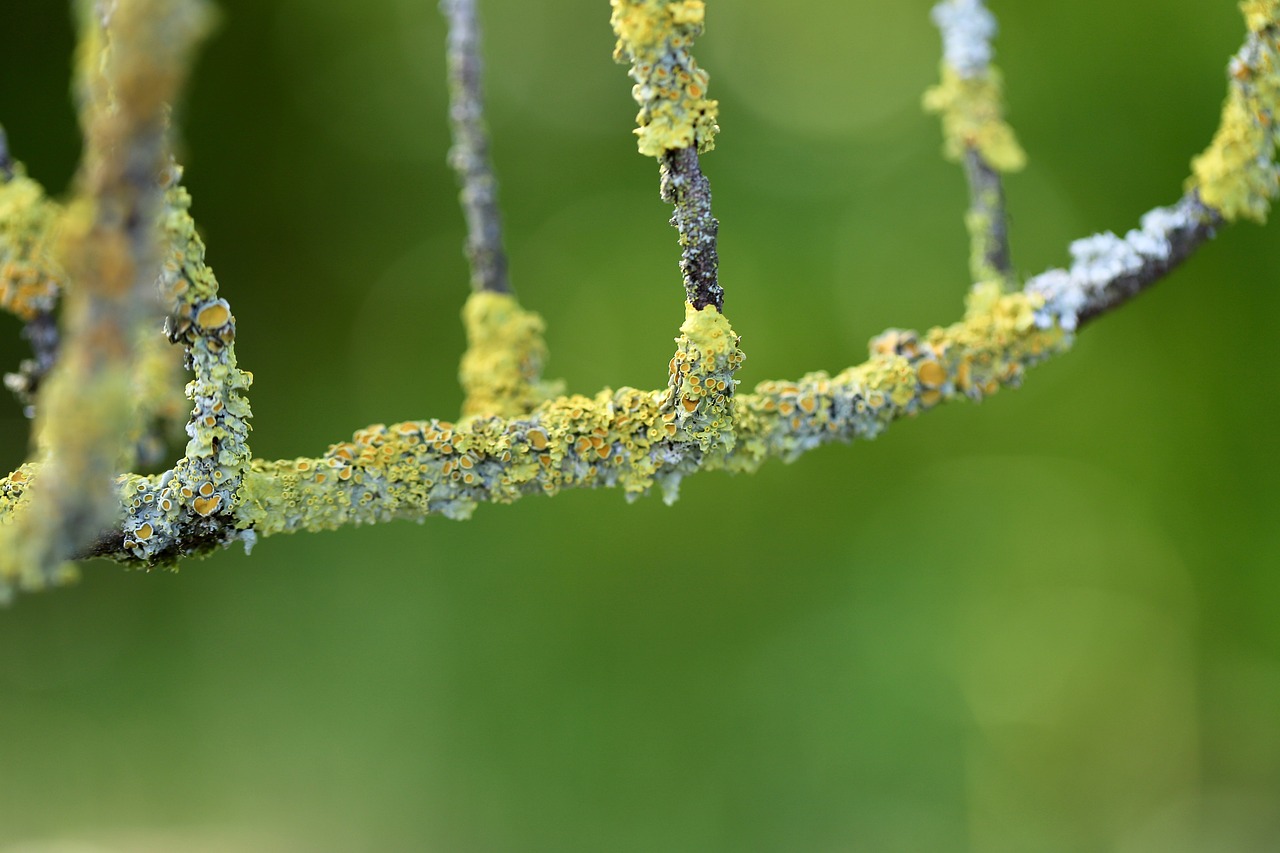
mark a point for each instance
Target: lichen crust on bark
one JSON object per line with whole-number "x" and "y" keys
{"x": 501, "y": 371}
{"x": 1237, "y": 174}
{"x": 973, "y": 117}
{"x": 655, "y": 37}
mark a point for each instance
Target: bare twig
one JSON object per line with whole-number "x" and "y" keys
{"x": 684, "y": 186}
{"x": 469, "y": 155}
{"x": 986, "y": 221}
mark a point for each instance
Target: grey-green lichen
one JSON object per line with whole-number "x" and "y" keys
{"x": 501, "y": 371}
{"x": 1237, "y": 174}
{"x": 192, "y": 501}
{"x": 655, "y": 37}
{"x": 133, "y": 59}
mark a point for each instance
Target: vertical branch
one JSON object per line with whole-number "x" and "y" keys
{"x": 969, "y": 100}
{"x": 134, "y": 56}
{"x": 469, "y": 155}
{"x": 685, "y": 187}
{"x": 675, "y": 123}
{"x": 501, "y": 371}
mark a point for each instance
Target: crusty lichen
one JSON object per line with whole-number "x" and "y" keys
{"x": 132, "y": 63}
{"x": 636, "y": 439}
{"x": 972, "y": 114}
{"x": 1237, "y": 174}
{"x": 501, "y": 371}
{"x": 194, "y": 499}
{"x": 655, "y": 37}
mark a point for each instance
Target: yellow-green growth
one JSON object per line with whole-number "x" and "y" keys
{"x": 972, "y": 114}
{"x": 700, "y": 382}
{"x": 501, "y": 371}
{"x": 29, "y": 277}
{"x": 655, "y": 37}
{"x": 1237, "y": 174}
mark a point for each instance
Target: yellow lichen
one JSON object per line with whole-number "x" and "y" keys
{"x": 1237, "y": 175}
{"x": 654, "y": 36}
{"x": 973, "y": 117}
{"x": 29, "y": 275}
{"x": 501, "y": 371}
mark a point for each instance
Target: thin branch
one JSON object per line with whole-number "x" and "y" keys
{"x": 1107, "y": 271}
{"x": 969, "y": 101}
{"x": 469, "y": 155}
{"x": 685, "y": 187}
{"x": 986, "y": 221}
{"x": 675, "y": 123}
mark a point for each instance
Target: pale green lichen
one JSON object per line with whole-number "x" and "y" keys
{"x": 501, "y": 371}
{"x": 972, "y": 114}
{"x": 1237, "y": 175}
{"x": 655, "y": 37}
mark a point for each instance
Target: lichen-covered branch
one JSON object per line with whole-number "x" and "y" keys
{"x": 977, "y": 136}
{"x": 501, "y": 370}
{"x": 516, "y": 439}
{"x": 133, "y": 60}
{"x": 1237, "y": 174}
{"x": 676, "y": 122}
{"x": 469, "y": 155}
{"x": 654, "y": 36}
{"x": 1107, "y": 270}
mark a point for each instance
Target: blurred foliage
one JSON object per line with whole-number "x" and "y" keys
{"x": 1042, "y": 624}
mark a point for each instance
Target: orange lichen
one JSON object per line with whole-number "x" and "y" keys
{"x": 214, "y": 315}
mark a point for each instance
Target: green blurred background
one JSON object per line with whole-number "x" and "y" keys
{"x": 1043, "y": 624}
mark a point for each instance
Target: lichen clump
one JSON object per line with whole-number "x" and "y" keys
{"x": 973, "y": 118}
{"x": 1237, "y": 174}
{"x": 655, "y": 37}
{"x": 29, "y": 280}
{"x": 501, "y": 371}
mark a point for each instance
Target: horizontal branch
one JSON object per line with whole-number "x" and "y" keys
{"x": 632, "y": 439}
{"x": 635, "y": 440}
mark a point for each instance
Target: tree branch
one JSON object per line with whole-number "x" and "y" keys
{"x": 685, "y": 187}
{"x": 632, "y": 439}
{"x": 501, "y": 370}
{"x": 132, "y": 65}
{"x": 977, "y": 136}
{"x": 469, "y": 155}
